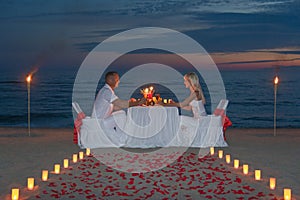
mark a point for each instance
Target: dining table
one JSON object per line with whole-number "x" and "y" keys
{"x": 150, "y": 127}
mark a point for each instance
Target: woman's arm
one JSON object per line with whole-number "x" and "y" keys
{"x": 184, "y": 104}
{"x": 188, "y": 100}
{"x": 187, "y": 107}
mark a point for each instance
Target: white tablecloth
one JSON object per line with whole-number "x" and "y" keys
{"x": 153, "y": 126}
{"x": 148, "y": 127}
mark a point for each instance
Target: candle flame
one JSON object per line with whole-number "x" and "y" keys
{"x": 276, "y": 80}
{"x": 28, "y": 78}
{"x": 151, "y": 88}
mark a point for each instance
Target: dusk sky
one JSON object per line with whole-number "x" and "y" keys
{"x": 235, "y": 33}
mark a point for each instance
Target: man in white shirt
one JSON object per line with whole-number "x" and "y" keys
{"x": 107, "y": 101}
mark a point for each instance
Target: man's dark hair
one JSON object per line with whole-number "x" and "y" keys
{"x": 110, "y": 74}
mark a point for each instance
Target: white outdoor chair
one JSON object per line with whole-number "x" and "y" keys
{"x": 76, "y": 107}
{"x": 221, "y": 108}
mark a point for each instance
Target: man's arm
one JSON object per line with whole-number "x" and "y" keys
{"x": 120, "y": 104}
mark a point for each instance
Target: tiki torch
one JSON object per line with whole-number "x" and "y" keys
{"x": 28, "y": 80}
{"x": 276, "y": 80}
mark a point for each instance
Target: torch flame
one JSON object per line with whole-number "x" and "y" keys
{"x": 28, "y": 78}
{"x": 276, "y": 80}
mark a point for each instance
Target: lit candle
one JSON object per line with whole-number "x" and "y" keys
{"x": 272, "y": 183}
{"x": 15, "y": 193}
{"x": 80, "y": 155}
{"x": 212, "y": 150}
{"x": 56, "y": 168}
{"x": 151, "y": 88}
{"x": 257, "y": 174}
{"x": 165, "y": 100}
{"x": 169, "y": 100}
{"x": 88, "y": 151}
{"x": 75, "y": 158}
{"x": 287, "y": 194}
{"x": 66, "y": 163}
{"x": 236, "y": 163}
{"x": 30, "y": 183}
{"x": 245, "y": 169}
{"x": 228, "y": 159}
{"x": 45, "y": 175}
{"x": 154, "y": 99}
{"x": 220, "y": 153}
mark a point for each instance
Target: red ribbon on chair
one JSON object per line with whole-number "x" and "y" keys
{"x": 77, "y": 125}
{"x": 225, "y": 120}
{"x": 219, "y": 112}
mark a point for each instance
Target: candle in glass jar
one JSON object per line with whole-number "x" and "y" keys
{"x": 220, "y": 153}
{"x": 212, "y": 150}
{"x": 80, "y": 155}
{"x": 236, "y": 163}
{"x": 30, "y": 183}
{"x": 45, "y": 175}
{"x": 245, "y": 169}
{"x": 75, "y": 158}
{"x": 272, "y": 183}
{"x": 227, "y": 159}
{"x": 15, "y": 193}
{"x": 66, "y": 163}
{"x": 257, "y": 175}
{"x": 287, "y": 194}
{"x": 88, "y": 151}
{"x": 56, "y": 168}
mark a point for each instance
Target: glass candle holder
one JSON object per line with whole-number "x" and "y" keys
{"x": 272, "y": 183}
{"x": 57, "y": 168}
{"x": 88, "y": 151}
{"x": 220, "y": 153}
{"x": 236, "y": 163}
{"x": 44, "y": 175}
{"x": 80, "y": 155}
{"x": 66, "y": 163}
{"x": 287, "y": 194}
{"x": 227, "y": 159}
{"x": 15, "y": 193}
{"x": 75, "y": 158}
{"x": 245, "y": 169}
{"x": 257, "y": 174}
{"x": 30, "y": 183}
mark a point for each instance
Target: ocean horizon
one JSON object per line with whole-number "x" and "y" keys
{"x": 250, "y": 93}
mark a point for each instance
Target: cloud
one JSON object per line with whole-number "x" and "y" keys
{"x": 258, "y": 58}
{"x": 219, "y": 26}
{"x": 240, "y": 6}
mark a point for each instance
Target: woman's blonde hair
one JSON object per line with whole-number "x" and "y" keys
{"x": 194, "y": 82}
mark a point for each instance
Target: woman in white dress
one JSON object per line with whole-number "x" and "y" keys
{"x": 196, "y": 100}
{"x": 188, "y": 130}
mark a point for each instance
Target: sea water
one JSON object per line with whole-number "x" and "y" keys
{"x": 250, "y": 94}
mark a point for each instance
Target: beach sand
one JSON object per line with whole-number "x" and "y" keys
{"x": 22, "y": 156}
